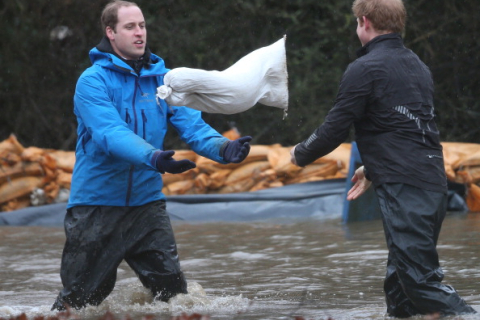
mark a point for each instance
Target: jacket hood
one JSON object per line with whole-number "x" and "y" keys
{"x": 104, "y": 55}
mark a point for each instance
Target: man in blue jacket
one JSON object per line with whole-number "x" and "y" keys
{"x": 387, "y": 95}
{"x": 116, "y": 209}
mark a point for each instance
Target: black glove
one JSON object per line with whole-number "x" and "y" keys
{"x": 237, "y": 150}
{"x": 165, "y": 163}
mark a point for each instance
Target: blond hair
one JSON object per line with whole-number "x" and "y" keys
{"x": 385, "y": 15}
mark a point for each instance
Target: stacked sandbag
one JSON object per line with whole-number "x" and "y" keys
{"x": 32, "y": 175}
{"x": 266, "y": 166}
{"x": 35, "y": 176}
{"x": 462, "y": 165}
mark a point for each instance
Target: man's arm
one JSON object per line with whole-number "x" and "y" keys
{"x": 205, "y": 140}
{"x": 350, "y": 105}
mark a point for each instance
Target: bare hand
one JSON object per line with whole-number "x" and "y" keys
{"x": 361, "y": 184}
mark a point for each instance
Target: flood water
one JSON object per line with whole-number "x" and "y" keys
{"x": 257, "y": 270}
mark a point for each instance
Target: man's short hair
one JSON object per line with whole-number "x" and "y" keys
{"x": 385, "y": 15}
{"x": 110, "y": 13}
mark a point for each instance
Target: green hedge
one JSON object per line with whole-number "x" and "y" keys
{"x": 39, "y": 71}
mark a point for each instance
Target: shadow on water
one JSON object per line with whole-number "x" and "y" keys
{"x": 257, "y": 270}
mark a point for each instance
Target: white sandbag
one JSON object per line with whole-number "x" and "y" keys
{"x": 261, "y": 76}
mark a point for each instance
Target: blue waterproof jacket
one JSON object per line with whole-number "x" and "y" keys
{"x": 120, "y": 126}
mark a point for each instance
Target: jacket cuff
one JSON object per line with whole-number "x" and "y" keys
{"x": 153, "y": 160}
{"x": 366, "y": 173}
{"x": 222, "y": 149}
{"x": 302, "y": 156}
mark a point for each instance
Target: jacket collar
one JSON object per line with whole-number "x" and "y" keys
{"x": 389, "y": 40}
{"x": 137, "y": 65}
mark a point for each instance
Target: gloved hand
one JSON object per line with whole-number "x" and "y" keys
{"x": 165, "y": 163}
{"x": 237, "y": 150}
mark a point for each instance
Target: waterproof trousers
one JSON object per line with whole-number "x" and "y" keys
{"x": 98, "y": 238}
{"x": 412, "y": 219}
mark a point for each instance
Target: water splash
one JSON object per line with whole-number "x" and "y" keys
{"x": 133, "y": 300}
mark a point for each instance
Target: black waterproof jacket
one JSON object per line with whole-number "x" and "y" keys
{"x": 387, "y": 94}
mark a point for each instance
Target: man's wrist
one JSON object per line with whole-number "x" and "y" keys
{"x": 365, "y": 173}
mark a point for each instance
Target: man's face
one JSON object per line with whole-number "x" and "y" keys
{"x": 130, "y": 35}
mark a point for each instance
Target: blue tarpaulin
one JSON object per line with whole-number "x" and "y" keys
{"x": 320, "y": 199}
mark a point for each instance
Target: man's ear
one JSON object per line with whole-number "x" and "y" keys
{"x": 361, "y": 21}
{"x": 110, "y": 33}
{"x": 366, "y": 22}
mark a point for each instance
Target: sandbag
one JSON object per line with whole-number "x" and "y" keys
{"x": 279, "y": 159}
{"x": 318, "y": 171}
{"x": 260, "y": 76}
{"x": 20, "y": 169}
{"x": 341, "y": 154}
{"x": 455, "y": 153}
{"x": 19, "y": 187}
{"x": 179, "y": 187}
{"x": 473, "y": 198}
{"x": 240, "y": 186}
{"x": 11, "y": 144}
{"x": 202, "y": 182}
{"x": 248, "y": 171}
{"x": 65, "y": 159}
{"x": 470, "y": 160}
{"x": 218, "y": 178}
{"x": 16, "y": 204}
{"x": 174, "y": 177}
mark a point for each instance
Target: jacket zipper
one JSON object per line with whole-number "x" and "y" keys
{"x": 127, "y": 116}
{"x": 135, "y": 129}
{"x": 144, "y": 118}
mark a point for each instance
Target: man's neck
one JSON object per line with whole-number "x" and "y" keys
{"x": 137, "y": 65}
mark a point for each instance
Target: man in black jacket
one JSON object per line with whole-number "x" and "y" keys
{"x": 387, "y": 95}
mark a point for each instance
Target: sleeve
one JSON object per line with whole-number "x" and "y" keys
{"x": 102, "y": 120}
{"x": 350, "y": 104}
{"x": 199, "y": 135}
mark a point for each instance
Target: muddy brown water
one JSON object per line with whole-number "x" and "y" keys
{"x": 257, "y": 270}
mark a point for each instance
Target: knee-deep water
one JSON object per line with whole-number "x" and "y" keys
{"x": 314, "y": 268}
